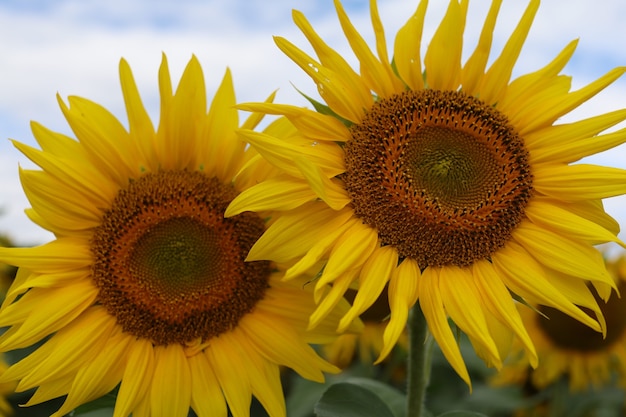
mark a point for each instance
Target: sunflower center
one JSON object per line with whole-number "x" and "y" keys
{"x": 570, "y": 334}
{"x": 442, "y": 176}
{"x": 176, "y": 256}
{"x": 169, "y": 266}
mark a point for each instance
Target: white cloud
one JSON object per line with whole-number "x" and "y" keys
{"x": 73, "y": 48}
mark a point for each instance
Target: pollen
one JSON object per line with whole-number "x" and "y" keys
{"x": 169, "y": 266}
{"x": 443, "y": 177}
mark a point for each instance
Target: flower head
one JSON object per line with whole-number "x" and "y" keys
{"x": 445, "y": 179}
{"x": 146, "y": 286}
{"x": 568, "y": 349}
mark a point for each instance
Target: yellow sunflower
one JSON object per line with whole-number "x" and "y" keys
{"x": 567, "y": 348}
{"x": 145, "y": 287}
{"x": 445, "y": 179}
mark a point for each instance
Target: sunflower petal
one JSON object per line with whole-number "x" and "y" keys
{"x": 403, "y": 293}
{"x": 443, "y": 57}
{"x": 431, "y": 303}
{"x": 373, "y": 278}
{"x": 137, "y": 377}
{"x": 579, "y": 182}
{"x": 171, "y": 384}
{"x": 407, "y": 59}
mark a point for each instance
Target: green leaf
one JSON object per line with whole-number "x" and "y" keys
{"x": 324, "y": 109}
{"x": 395, "y": 399}
{"x": 106, "y": 401}
{"x": 346, "y": 399}
{"x": 461, "y": 413}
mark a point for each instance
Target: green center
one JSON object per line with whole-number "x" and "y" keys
{"x": 451, "y": 166}
{"x": 177, "y": 256}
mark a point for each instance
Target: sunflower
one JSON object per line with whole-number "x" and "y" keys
{"x": 447, "y": 180}
{"x": 568, "y": 349}
{"x": 145, "y": 288}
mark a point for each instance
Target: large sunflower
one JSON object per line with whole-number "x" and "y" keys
{"x": 145, "y": 287}
{"x": 445, "y": 179}
{"x": 568, "y": 349}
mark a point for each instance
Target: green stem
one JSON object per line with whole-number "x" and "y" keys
{"x": 418, "y": 363}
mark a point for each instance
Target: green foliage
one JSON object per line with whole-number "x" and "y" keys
{"x": 351, "y": 399}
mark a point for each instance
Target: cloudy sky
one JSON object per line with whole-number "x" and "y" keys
{"x": 73, "y": 47}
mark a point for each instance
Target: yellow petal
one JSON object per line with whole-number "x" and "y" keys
{"x": 532, "y": 282}
{"x": 407, "y": 49}
{"x": 76, "y": 175}
{"x": 231, "y": 372}
{"x": 579, "y": 182}
{"x": 351, "y": 250}
{"x": 105, "y": 140}
{"x": 56, "y": 256}
{"x": 329, "y": 191}
{"x": 526, "y": 95}
{"x": 206, "y": 396}
{"x": 544, "y": 143}
{"x": 220, "y": 148}
{"x": 373, "y": 278}
{"x": 550, "y": 110}
{"x": 474, "y": 68}
{"x": 171, "y": 384}
{"x": 294, "y": 233}
{"x": 99, "y": 376}
{"x": 332, "y": 298}
{"x": 403, "y": 293}
{"x": 431, "y": 304}
{"x": 310, "y": 124}
{"x": 265, "y": 380}
{"x": 51, "y": 390}
{"x": 443, "y": 57}
{"x": 63, "y": 305}
{"x": 499, "y": 74}
{"x": 282, "y": 154}
{"x": 282, "y": 193}
{"x": 333, "y": 60}
{"x": 498, "y": 300}
{"x": 549, "y": 215}
{"x": 283, "y": 346}
{"x": 137, "y": 377}
{"x": 70, "y": 348}
{"x": 141, "y": 129}
{"x": 562, "y": 254}
{"x": 379, "y": 77}
{"x": 464, "y": 305}
{"x": 329, "y": 84}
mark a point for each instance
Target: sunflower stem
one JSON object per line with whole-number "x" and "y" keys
{"x": 419, "y": 363}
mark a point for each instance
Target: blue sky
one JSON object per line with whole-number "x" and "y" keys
{"x": 73, "y": 47}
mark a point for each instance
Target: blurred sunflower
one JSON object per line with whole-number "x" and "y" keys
{"x": 6, "y": 389}
{"x": 145, "y": 286}
{"x": 568, "y": 349}
{"x": 365, "y": 345}
{"x": 445, "y": 179}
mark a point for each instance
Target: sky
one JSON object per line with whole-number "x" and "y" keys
{"x": 73, "y": 47}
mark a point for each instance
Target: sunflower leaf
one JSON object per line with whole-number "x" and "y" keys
{"x": 324, "y": 109}
{"x": 350, "y": 399}
{"x": 461, "y": 413}
{"x": 105, "y": 402}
